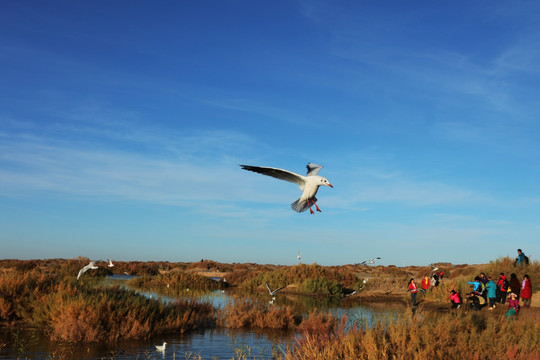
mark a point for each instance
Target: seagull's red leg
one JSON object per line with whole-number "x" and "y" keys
{"x": 314, "y": 203}
{"x": 311, "y": 211}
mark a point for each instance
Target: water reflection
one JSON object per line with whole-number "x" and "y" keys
{"x": 212, "y": 343}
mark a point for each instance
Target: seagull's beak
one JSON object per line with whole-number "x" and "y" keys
{"x": 330, "y": 185}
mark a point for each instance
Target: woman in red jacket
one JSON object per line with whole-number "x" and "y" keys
{"x": 526, "y": 291}
{"x": 414, "y": 290}
{"x": 502, "y": 288}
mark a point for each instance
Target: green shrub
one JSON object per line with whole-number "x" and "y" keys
{"x": 322, "y": 286}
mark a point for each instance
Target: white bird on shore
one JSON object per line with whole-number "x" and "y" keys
{"x": 161, "y": 348}
{"x": 273, "y": 292}
{"x": 309, "y": 184}
{"x": 91, "y": 265}
{"x": 110, "y": 263}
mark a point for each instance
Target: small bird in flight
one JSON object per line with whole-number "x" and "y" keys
{"x": 110, "y": 263}
{"x": 272, "y": 292}
{"x": 91, "y": 265}
{"x": 372, "y": 261}
{"x": 309, "y": 184}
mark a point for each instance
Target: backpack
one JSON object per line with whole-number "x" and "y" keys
{"x": 482, "y": 288}
{"x": 525, "y": 259}
{"x": 505, "y": 285}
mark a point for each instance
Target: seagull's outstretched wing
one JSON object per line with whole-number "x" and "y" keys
{"x": 82, "y": 271}
{"x": 272, "y": 292}
{"x": 268, "y": 287}
{"x": 313, "y": 169}
{"x": 277, "y": 173}
{"x": 91, "y": 265}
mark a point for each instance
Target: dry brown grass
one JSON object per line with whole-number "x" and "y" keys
{"x": 446, "y": 336}
{"x": 175, "y": 283}
{"x": 45, "y": 293}
{"x": 297, "y": 275}
{"x": 246, "y": 313}
{"x": 82, "y": 311}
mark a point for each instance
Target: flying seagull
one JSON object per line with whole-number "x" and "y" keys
{"x": 110, "y": 263}
{"x": 360, "y": 288}
{"x": 309, "y": 184}
{"x": 355, "y": 291}
{"x": 299, "y": 256}
{"x": 91, "y": 265}
{"x": 372, "y": 261}
{"x": 161, "y": 348}
{"x": 273, "y": 292}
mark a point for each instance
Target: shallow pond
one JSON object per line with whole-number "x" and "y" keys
{"x": 216, "y": 343}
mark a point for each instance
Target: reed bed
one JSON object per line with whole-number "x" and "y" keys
{"x": 246, "y": 313}
{"x": 83, "y": 311}
{"x": 47, "y": 295}
{"x": 112, "y": 314}
{"x": 175, "y": 283}
{"x": 302, "y": 276}
{"x": 443, "y": 336}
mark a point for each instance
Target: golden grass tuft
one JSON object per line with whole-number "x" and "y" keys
{"x": 471, "y": 336}
{"x": 246, "y": 313}
{"x": 83, "y": 311}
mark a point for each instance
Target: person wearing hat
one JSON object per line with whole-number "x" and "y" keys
{"x": 513, "y": 305}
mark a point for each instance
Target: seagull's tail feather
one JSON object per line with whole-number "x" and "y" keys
{"x": 301, "y": 206}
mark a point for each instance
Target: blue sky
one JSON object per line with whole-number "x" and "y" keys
{"x": 122, "y": 125}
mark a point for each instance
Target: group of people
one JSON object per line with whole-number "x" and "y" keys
{"x": 486, "y": 290}
{"x": 425, "y": 284}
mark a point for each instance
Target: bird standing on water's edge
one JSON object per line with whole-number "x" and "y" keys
{"x": 309, "y": 184}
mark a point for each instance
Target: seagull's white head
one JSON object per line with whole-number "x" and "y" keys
{"x": 324, "y": 181}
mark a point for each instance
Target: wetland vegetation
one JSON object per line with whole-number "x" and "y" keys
{"x": 45, "y": 295}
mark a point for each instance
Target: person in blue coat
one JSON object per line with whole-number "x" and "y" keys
{"x": 477, "y": 285}
{"x": 491, "y": 288}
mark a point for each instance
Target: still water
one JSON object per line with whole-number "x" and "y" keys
{"x": 215, "y": 343}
